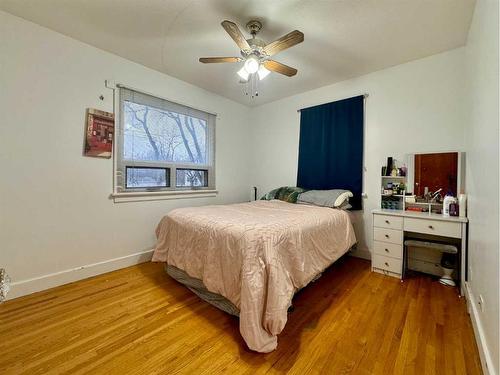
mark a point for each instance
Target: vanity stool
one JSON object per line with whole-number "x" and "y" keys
{"x": 443, "y": 248}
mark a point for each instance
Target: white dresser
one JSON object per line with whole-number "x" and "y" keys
{"x": 391, "y": 226}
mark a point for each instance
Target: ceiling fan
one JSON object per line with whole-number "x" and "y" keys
{"x": 256, "y": 54}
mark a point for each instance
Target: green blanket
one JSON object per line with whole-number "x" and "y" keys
{"x": 285, "y": 193}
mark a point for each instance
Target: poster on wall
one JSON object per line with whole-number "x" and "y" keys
{"x": 99, "y": 135}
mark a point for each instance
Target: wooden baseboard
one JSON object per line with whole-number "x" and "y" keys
{"x": 484, "y": 353}
{"x": 36, "y": 284}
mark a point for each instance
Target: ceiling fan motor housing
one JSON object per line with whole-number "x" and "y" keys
{"x": 256, "y": 42}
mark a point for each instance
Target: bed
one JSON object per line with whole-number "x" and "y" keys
{"x": 254, "y": 255}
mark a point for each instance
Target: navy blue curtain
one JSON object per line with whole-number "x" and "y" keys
{"x": 331, "y": 147}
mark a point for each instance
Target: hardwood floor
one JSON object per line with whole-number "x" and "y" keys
{"x": 139, "y": 321}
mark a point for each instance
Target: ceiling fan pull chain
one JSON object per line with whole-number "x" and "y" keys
{"x": 254, "y": 85}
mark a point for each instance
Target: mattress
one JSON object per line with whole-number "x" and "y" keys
{"x": 256, "y": 255}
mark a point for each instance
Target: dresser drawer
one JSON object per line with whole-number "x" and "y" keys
{"x": 437, "y": 227}
{"x": 388, "y": 235}
{"x": 387, "y": 221}
{"x": 388, "y": 249}
{"x": 387, "y": 263}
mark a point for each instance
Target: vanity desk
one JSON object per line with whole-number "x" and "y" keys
{"x": 391, "y": 227}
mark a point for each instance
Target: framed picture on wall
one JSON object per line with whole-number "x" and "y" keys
{"x": 99, "y": 134}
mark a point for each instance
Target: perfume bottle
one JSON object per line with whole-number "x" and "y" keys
{"x": 394, "y": 171}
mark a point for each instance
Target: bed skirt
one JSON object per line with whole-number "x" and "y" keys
{"x": 197, "y": 287}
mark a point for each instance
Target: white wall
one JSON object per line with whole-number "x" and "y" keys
{"x": 412, "y": 107}
{"x": 55, "y": 211}
{"x": 482, "y": 143}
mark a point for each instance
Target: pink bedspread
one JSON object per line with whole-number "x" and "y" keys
{"x": 257, "y": 255}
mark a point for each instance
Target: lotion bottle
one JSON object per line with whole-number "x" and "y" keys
{"x": 462, "y": 205}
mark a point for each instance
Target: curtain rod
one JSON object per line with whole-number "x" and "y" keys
{"x": 364, "y": 96}
{"x": 121, "y": 85}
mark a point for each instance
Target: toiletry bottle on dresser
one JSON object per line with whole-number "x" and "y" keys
{"x": 448, "y": 199}
{"x": 462, "y": 205}
{"x": 404, "y": 170}
{"x": 453, "y": 208}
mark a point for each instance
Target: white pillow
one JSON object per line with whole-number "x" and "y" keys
{"x": 343, "y": 197}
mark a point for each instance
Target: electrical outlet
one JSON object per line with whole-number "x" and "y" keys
{"x": 480, "y": 302}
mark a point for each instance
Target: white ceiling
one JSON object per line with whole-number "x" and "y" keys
{"x": 343, "y": 39}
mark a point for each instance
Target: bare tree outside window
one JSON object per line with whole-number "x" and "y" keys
{"x": 152, "y": 134}
{"x": 191, "y": 177}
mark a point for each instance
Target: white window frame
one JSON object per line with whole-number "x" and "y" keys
{"x": 123, "y": 194}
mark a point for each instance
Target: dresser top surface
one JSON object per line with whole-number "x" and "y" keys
{"x": 420, "y": 215}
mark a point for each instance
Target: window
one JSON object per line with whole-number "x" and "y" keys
{"x": 191, "y": 177}
{"x": 146, "y": 177}
{"x": 162, "y": 145}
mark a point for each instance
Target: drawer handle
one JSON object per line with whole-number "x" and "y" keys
{"x": 431, "y": 227}
{"x": 386, "y": 250}
{"x": 386, "y": 236}
{"x": 387, "y": 222}
{"x": 387, "y": 264}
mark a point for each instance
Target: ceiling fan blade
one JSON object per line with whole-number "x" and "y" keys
{"x": 287, "y": 41}
{"x": 235, "y": 33}
{"x": 280, "y": 68}
{"x": 207, "y": 60}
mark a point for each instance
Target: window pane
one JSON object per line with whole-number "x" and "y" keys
{"x": 138, "y": 177}
{"x": 191, "y": 177}
{"x": 152, "y": 134}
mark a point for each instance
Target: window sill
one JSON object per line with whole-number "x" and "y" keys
{"x": 140, "y": 196}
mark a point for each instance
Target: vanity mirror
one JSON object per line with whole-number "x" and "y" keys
{"x": 432, "y": 175}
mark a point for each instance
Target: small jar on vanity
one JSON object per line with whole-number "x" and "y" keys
{"x": 431, "y": 208}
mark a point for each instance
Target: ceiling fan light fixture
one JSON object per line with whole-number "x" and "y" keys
{"x": 251, "y": 65}
{"x": 263, "y": 72}
{"x": 243, "y": 74}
